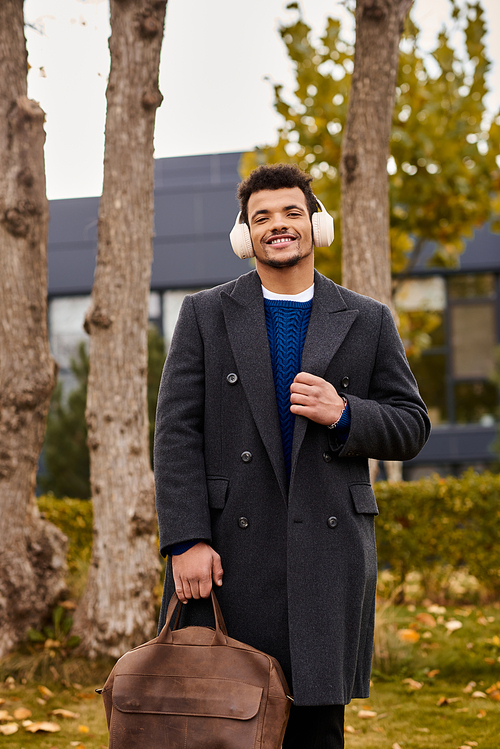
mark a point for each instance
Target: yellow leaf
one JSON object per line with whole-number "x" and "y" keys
{"x": 408, "y": 635}
{"x": 9, "y": 728}
{"x": 64, "y": 713}
{"x": 426, "y": 619}
{"x": 489, "y": 660}
{"x": 481, "y": 714}
{"x": 495, "y": 640}
{"x": 43, "y": 726}
{"x": 412, "y": 684}
{"x": 367, "y": 714}
{"x": 21, "y": 713}
{"x": 433, "y": 673}
{"x": 45, "y": 692}
{"x": 83, "y": 729}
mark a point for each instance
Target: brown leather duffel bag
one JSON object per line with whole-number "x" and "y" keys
{"x": 196, "y": 688}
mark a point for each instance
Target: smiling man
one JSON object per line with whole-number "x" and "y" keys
{"x": 277, "y": 389}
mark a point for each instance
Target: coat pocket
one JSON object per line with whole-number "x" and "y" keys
{"x": 217, "y": 492}
{"x": 364, "y": 499}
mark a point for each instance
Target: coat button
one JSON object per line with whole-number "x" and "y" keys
{"x": 246, "y": 456}
{"x": 243, "y": 522}
{"x": 332, "y": 522}
{"x": 327, "y": 457}
{"x": 232, "y": 378}
{"x": 345, "y": 382}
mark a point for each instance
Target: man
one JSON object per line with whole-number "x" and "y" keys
{"x": 277, "y": 389}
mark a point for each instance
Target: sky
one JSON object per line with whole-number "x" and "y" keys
{"x": 217, "y": 59}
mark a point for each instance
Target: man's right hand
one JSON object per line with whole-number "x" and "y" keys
{"x": 194, "y": 571}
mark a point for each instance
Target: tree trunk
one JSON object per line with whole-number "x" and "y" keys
{"x": 117, "y": 609}
{"x": 32, "y": 551}
{"x": 366, "y": 252}
{"x": 366, "y": 266}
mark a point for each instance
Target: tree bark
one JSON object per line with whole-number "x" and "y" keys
{"x": 366, "y": 252}
{"x": 32, "y": 551}
{"x": 117, "y": 609}
{"x": 366, "y": 264}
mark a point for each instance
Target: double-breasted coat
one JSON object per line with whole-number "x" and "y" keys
{"x": 299, "y": 560}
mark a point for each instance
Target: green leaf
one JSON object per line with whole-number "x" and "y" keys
{"x": 35, "y": 636}
{"x": 73, "y": 641}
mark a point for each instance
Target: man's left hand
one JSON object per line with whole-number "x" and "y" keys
{"x": 315, "y": 398}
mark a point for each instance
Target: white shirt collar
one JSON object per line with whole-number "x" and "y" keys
{"x": 304, "y": 296}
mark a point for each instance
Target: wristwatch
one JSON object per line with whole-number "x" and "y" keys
{"x": 335, "y": 423}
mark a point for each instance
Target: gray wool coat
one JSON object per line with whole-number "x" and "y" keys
{"x": 300, "y": 561}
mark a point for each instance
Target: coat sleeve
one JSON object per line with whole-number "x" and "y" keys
{"x": 179, "y": 466}
{"x": 392, "y": 423}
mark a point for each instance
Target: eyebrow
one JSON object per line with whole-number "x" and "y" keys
{"x": 265, "y": 211}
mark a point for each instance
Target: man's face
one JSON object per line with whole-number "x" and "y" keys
{"x": 280, "y": 227}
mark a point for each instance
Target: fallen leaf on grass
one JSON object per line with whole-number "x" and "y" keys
{"x": 489, "y": 660}
{"x": 78, "y": 744}
{"x": 43, "y": 725}
{"x": 4, "y": 715}
{"x": 426, "y": 619}
{"x": 471, "y": 743}
{"x": 461, "y": 709}
{"x": 447, "y": 701}
{"x": 21, "y": 713}
{"x": 470, "y": 686}
{"x": 481, "y": 714}
{"x": 412, "y": 684}
{"x": 9, "y": 728}
{"x": 478, "y": 694}
{"x": 378, "y": 729}
{"x": 452, "y": 625}
{"x": 396, "y": 746}
{"x": 350, "y": 729}
{"x": 367, "y": 714}
{"x": 408, "y": 635}
{"x": 2, "y": 701}
{"x": 40, "y": 701}
{"x": 433, "y": 673}
{"x": 83, "y": 729}
{"x": 45, "y": 692}
{"x": 495, "y": 695}
{"x": 64, "y": 713}
{"x": 423, "y": 730}
{"x": 435, "y": 609}
{"x": 86, "y": 696}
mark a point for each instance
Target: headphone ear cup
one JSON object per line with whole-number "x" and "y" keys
{"x": 240, "y": 239}
{"x": 323, "y": 228}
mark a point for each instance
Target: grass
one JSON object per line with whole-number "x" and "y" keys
{"x": 422, "y": 665}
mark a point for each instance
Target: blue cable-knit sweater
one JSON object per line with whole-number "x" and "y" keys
{"x": 287, "y": 323}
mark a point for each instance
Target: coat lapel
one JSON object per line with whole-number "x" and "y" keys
{"x": 246, "y": 326}
{"x": 329, "y": 324}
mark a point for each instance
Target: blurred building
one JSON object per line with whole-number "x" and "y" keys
{"x": 195, "y": 208}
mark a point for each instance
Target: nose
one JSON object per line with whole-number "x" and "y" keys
{"x": 278, "y": 223}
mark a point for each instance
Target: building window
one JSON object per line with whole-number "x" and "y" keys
{"x": 457, "y": 321}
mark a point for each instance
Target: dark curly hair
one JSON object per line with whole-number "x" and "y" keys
{"x": 275, "y": 177}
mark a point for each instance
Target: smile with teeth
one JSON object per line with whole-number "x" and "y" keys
{"x": 283, "y": 239}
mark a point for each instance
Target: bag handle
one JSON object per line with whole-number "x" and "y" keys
{"x": 220, "y": 634}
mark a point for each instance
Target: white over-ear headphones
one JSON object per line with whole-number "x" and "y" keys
{"x": 322, "y": 229}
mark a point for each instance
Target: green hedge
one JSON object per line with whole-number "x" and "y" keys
{"x": 423, "y": 525}
{"x": 426, "y": 524}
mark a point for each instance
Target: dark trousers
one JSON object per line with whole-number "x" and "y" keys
{"x": 318, "y": 727}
